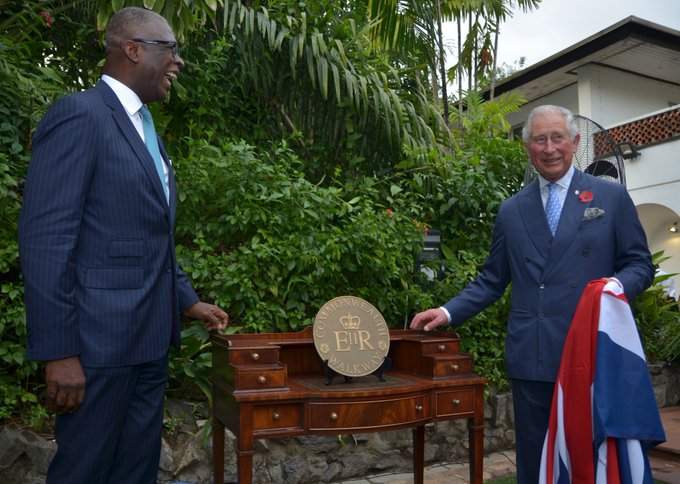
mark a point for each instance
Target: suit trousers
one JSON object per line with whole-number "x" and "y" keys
{"x": 532, "y": 401}
{"x": 115, "y": 435}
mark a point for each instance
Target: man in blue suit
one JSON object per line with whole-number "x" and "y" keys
{"x": 103, "y": 290}
{"x": 561, "y": 231}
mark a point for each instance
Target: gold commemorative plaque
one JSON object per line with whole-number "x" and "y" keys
{"x": 351, "y": 336}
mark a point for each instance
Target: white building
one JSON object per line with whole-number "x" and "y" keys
{"x": 627, "y": 79}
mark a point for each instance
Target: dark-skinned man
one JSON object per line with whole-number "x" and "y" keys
{"x": 103, "y": 290}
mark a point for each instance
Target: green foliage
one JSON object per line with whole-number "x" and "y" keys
{"x": 658, "y": 318}
{"x": 273, "y": 247}
{"x": 325, "y": 90}
{"x": 183, "y": 15}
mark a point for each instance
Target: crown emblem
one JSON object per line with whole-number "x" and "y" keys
{"x": 350, "y": 322}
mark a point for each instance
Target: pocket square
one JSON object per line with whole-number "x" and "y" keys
{"x": 592, "y": 213}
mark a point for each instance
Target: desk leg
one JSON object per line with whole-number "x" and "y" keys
{"x": 244, "y": 462}
{"x": 419, "y": 454}
{"x": 476, "y": 438}
{"x": 218, "y": 450}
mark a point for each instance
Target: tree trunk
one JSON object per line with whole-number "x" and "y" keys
{"x": 434, "y": 84}
{"x": 460, "y": 72}
{"x": 442, "y": 66}
{"x": 470, "y": 67}
{"x": 495, "y": 59}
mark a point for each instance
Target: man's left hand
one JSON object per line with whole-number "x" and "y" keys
{"x": 211, "y": 315}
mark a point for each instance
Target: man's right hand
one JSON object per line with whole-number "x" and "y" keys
{"x": 429, "y": 320}
{"x": 65, "y": 385}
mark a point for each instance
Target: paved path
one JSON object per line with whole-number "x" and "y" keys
{"x": 665, "y": 462}
{"x": 495, "y": 465}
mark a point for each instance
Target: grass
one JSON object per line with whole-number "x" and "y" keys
{"x": 503, "y": 480}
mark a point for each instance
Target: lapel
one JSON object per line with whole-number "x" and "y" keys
{"x": 171, "y": 181}
{"x": 570, "y": 221}
{"x": 122, "y": 119}
{"x": 533, "y": 216}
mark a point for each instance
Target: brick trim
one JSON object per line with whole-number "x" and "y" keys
{"x": 642, "y": 132}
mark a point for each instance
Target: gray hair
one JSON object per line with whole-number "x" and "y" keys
{"x": 568, "y": 116}
{"x": 126, "y": 23}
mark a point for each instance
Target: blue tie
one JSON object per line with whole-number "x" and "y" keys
{"x": 151, "y": 141}
{"x": 552, "y": 208}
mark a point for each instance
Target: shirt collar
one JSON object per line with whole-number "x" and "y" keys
{"x": 563, "y": 182}
{"x": 127, "y": 97}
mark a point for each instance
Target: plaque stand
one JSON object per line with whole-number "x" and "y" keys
{"x": 379, "y": 372}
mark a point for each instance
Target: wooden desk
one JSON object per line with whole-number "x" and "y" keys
{"x": 272, "y": 385}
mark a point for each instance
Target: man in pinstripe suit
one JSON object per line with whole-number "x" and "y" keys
{"x": 103, "y": 290}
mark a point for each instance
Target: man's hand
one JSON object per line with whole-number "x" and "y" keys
{"x": 429, "y": 320}
{"x": 211, "y": 315}
{"x": 65, "y": 385}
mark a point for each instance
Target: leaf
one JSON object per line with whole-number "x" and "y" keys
{"x": 336, "y": 80}
{"x": 322, "y": 70}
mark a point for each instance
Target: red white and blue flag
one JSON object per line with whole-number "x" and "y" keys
{"x": 604, "y": 415}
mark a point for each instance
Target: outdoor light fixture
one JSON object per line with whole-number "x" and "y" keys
{"x": 628, "y": 150}
{"x": 431, "y": 247}
{"x": 673, "y": 229}
{"x": 431, "y": 252}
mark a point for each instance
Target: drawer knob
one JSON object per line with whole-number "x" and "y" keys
{"x": 334, "y": 416}
{"x": 262, "y": 379}
{"x": 255, "y": 356}
{"x": 276, "y": 416}
{"x": 454, "y": 366}
{"x": 441, "y": 348}
{"x": 419, "y": 408}
{"x": 455, "y": 402}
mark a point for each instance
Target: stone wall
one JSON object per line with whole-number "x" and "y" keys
{"x": 186, "y": 457}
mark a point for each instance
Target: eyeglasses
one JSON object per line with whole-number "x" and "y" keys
{"x": 168, "y": 44}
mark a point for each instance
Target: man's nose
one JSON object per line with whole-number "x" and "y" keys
{"x": 179, "y": 61}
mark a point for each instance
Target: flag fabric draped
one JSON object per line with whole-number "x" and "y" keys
{"x": 604, "y": 415}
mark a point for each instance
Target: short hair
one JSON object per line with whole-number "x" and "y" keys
{"x": 568, "y": 116}
{"x": 125, "y": 24}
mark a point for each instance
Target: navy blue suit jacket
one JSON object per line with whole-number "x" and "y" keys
{"x": 549, "y": 274}
{"x": 96, "y": 239}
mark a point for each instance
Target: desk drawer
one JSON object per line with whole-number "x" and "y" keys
{"x": 253, "y": 356}
{"x": 455, "y": 402}
{"x": 272, "y": 416}
{"x": 451, "y": 366}
{"x": 369, "y": 414}
{"x": 451, "y": 346}
{"x": 262, "y": 378}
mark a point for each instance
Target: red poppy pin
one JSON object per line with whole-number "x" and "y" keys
{"x": 586, "y": 197}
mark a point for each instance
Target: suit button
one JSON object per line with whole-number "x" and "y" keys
{"x": 542, "y": 286}
{"x": 168, "y": 270}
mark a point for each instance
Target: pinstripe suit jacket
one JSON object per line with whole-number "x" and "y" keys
{"x": 96, "y": 239}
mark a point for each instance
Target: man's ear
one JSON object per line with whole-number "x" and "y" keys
{"x": 131, "y": 50}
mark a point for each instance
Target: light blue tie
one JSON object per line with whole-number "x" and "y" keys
{"x": 552, "y": 208}
{"x": 151, "y": 141}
